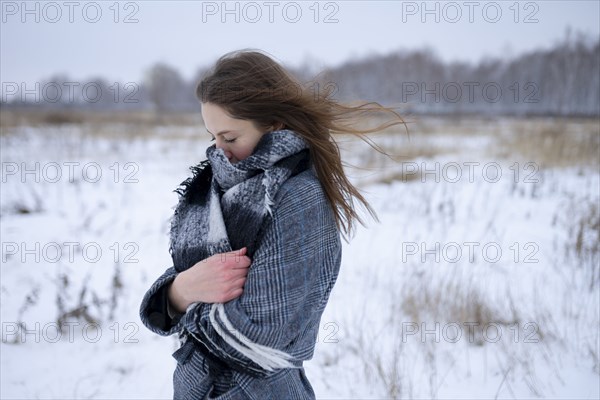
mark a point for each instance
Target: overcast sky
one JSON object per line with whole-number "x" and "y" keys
{"x": 82, "y": 39}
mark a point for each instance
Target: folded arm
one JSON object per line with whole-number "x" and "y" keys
{"x": 273, "y": 324}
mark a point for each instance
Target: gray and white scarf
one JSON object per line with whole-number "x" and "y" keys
{"x": 222, "y": 207}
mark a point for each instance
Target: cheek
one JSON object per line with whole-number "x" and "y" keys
{"x": 242, "y": 151}
{"x": 245, "y": 148}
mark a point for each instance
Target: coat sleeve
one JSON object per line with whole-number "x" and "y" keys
{"x": 155, "y": 310}
{"x": 274, "y": 323}
{"x": 154, "y": 307}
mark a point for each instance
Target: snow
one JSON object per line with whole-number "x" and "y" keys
{"x": 407, "y": 285}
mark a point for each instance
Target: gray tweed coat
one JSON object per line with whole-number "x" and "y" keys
{"x": 294, "y": 267}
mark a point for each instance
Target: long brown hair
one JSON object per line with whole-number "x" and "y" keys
{"x": 250, "y": 85}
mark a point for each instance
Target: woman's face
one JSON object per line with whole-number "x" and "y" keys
{"x": 237, "y": 137}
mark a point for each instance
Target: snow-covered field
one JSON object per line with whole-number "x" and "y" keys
{"x": 481, "y": 279}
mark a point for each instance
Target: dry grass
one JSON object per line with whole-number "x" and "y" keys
{"x": 118, "y": 126}
{"x": 545, "y": 142}
{"x": 26, "y": 117}
{"x": 454, "y": 301}
{"x": 553, "y": 142}
{"x": 581, "y": 220}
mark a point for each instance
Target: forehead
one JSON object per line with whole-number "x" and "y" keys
{"x": 217, "y": 119}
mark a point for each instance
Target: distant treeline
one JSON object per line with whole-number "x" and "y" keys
{"x": 563, "y": 80}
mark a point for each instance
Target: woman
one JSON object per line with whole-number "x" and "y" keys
{"x": 255, "y": 238}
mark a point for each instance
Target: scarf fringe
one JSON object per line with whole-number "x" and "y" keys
{"x": 268, "y": 200}
{"x": 201, "y": 175}
{"x": 268, "y": 358}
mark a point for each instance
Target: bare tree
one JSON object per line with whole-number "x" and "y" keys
{"x": 165, "y": 88}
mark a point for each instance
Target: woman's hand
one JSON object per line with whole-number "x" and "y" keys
{"x": 217, "y": 279}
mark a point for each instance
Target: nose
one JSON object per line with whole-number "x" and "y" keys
{"x": 228, "y": 154}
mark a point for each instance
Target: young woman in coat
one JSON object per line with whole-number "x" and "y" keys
{"x": 255, "y": 238}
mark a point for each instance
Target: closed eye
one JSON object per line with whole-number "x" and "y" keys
{"x": 225, "y": 140}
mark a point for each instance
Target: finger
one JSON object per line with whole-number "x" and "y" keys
{"x": 240, "y": 252}
{"x": 237, "y": 273}
{"x": 235, "y": 293}
{"x": 238, "y": 283}
{"x": 241, "y": 263}
{"x": 229, "y": 257}
{"x": 230, "y": 294}
{"x": 235, "y": 255}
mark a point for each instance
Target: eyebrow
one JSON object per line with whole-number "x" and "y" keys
{"x": 220, "y": 133}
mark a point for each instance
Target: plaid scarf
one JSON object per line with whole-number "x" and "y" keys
{"x": 223, "y": 206}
